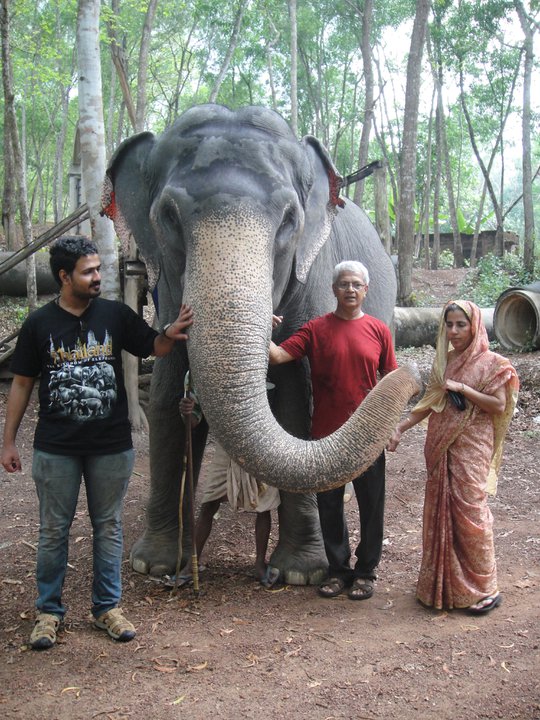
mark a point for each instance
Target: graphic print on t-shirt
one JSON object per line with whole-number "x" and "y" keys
{"x": 82, "y": 384}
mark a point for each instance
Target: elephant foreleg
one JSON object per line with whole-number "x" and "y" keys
{"x": 156, "y": 552}
{"x": 300, "y": 555}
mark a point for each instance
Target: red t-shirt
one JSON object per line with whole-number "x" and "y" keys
{"x": 344, "y": 356}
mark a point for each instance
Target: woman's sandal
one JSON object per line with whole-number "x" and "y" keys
{"x": 486, "y": 604}
{"x": 361, "y": 589}
{"x": 332, "y": 587}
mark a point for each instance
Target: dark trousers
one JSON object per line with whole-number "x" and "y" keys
{"x": 369, "y": 491}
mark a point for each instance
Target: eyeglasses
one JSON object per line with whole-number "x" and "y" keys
{"x": 353, "y": 285}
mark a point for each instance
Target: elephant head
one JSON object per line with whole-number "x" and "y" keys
{"x": 233, "y": 211}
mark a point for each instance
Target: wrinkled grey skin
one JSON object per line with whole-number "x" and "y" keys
{"x": 238, "y": 219}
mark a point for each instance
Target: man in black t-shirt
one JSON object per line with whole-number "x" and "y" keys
{"x": 74, "y": 344}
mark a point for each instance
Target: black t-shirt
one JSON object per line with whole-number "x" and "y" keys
{"x": 82, "y": 399}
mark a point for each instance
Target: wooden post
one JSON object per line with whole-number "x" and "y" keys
{"x": 132, "y": 284}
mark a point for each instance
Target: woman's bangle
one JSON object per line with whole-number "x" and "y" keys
{"x": 462, "y": 388}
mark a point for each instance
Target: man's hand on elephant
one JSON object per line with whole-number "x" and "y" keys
{"x": 276, "y": 320}
{"x": 183, "y": 321}
{"x": 164, "y": 342}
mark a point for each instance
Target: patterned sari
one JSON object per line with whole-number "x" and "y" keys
{"x": 463, "y": 452}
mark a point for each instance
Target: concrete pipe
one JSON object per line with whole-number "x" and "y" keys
{"x": 517, "y": 317}
{"x": 13, "y": 282}
{"x": 417, "y": 326}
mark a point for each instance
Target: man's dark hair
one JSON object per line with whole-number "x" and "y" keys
{"x": 65, "y": 252}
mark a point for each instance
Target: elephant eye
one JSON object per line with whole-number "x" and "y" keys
{"x": 167, "y": 224}
{"x": 169, "y": 216}
{"x": 287, "y": 230}
{"x": 289, "y": 220}
{"x": 171, "y": 222}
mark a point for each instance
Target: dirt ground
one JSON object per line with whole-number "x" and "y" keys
{"x": 241, "y": 651}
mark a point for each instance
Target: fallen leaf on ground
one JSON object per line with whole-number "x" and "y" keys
{"x": 165, "y": 664}
{"x": 197, "y": 668}
{"x": 524, "y": 584}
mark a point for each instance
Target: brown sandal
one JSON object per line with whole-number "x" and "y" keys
{"x": 116, "y": 625}
{"x": 43, "y": 635}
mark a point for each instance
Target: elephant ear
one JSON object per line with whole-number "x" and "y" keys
{"x": 321, "y": 206}
{"x": 126, "y": 200}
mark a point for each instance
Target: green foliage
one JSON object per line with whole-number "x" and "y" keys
{"x": 491, "y": 277}
{"x": 464, "y": 226}
{"x": 21, "y": 313}
{"x": 446, "y": 260}
{"x": 189, "y": 40}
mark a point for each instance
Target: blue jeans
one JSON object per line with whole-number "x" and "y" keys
{"x": 58, "y": 480}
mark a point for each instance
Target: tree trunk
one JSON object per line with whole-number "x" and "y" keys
{"x": 294, "y": 66}
{"x": 497, "y": 207}
{"x": 382, "y": 219}
{"x": 407, "y": 180}
{"x": 363, "y": 151}
{"x": 270, "y": 65}
{"x": 437, "y": 74}
{"x": 144, "y": 51}
{"x": 19, "y": 170}
{"x": 436, "y": 250}
{"x": 427, "y": 192}
{"x": 458, "y": 249}
{"x": 120, "y": 64}
{"x": 92, "y": 139}
{"x": 479, "y": 216}
{"x": 233, "y": 42}
{"x": 9, "y": 200}
{"x": 528, "y": 209}
{"x": 59, "y": 158}
{"x": 390, "y": 158}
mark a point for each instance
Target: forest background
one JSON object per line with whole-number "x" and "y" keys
{"x": 442, "y": 92}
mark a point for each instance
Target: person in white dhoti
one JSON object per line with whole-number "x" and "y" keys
{"x": 226, "y": 481}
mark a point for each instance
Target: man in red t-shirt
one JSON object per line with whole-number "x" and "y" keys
{"x": 347, "y": 351}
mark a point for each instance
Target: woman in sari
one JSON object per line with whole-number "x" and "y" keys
{"x": 470, "y": 400}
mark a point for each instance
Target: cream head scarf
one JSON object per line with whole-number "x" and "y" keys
{"x": 435, "y": 396}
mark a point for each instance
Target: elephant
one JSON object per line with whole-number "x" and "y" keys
{"x": 235, "y": 216}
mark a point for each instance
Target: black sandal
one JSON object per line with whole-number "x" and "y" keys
{"x": 332, "y": 587}
{"x": 485, "y": 605}
{"x": 362, "y": 589}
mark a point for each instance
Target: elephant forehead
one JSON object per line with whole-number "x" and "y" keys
{"x": 263, "y": 157}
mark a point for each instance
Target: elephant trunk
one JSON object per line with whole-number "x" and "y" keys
{"x": 229, "y": 285}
